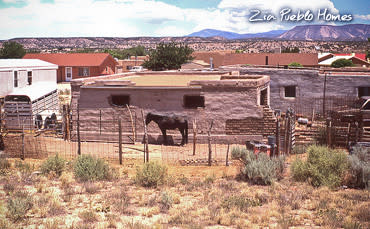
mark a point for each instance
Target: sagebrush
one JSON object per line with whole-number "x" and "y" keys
{"x": 359, "y": 169}
{"x": 324, "y": 166}
{"x": 151, "y": 174}
{"x": 53, "y": 164}
{"x": 88, "y": 168}
{"x": 259, "y": 169}
{"x": 18, "y": 205}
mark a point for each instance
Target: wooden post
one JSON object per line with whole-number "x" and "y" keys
{"x": 23, "y": 153}
{"x": 78, "y": 130}
{"x": 99, "y": 121}
{"x": 313, "y": 115}
{"x": 194, "y": 135}
{"x": 64, "y": 126}
{"x": 329, "y": 134}
{"x": 357, "y": 132}
{"x": 209, "y": 145}
{"x": 286, "y": 134}
{"x": 132, "y": 125}
{"x": 348, "y": 133}
{"x": 324, "y": 98}
{"x": 277, "y": 136}
{"x": 227, "y": 155}
{"x": 146, "y": 148}
{"x": 120, "y": 140}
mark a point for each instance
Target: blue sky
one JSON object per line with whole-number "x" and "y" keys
{"x": 128, "y": 18}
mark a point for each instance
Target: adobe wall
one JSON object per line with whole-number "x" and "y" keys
{"x": 309, "y": 86}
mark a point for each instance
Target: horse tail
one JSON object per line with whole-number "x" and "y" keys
{"x": 186, "y": 131}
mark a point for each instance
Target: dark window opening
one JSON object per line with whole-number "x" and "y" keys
{"x": 83, "y": 71}
{"x": 29, "y": 77}
{"x": 267, "y": 60}
{"x": 15, "y": 79}
{"x": 193, "y": 101}
{"x": 263, "y": 97}
{"x": 120, "y": 100}
{"x": 363, "y": 91}
{"x": 290, "y": 91}
{"x": 128, "y": 67}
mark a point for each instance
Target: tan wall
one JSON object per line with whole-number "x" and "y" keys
{"x": 220, "y": 104}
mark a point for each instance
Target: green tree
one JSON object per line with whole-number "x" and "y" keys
{"x": 168, "y": 56}
{"x": 12, "y": 49}
{"x": 340, "y": 63}
{"x": 295, "y": 64}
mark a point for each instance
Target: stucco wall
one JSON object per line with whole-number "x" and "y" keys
{"x": 220, "y": 104}
{"x": 309, "y": 87}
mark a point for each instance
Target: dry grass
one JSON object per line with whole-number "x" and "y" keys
{"x": 194, "y": 197}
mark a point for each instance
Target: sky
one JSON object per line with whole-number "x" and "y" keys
{"x": 133, "y": 18}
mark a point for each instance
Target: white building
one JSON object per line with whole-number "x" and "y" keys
{"x": 28, "y": 85}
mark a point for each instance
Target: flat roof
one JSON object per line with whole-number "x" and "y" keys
{"x": 36, "y": 90}
{"x": 168, "y": 79}
{"x": 10, "y": 64}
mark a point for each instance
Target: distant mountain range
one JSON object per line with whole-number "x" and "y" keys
{"x": 350, "y": 32}
{"x": 231, "y": 35}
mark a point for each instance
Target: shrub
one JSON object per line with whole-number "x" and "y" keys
{"x": 54, "y": 164}
{"x": 4, "y": 165}
{"x": 166, "y": 201}
{"x": 295, "y": 64}
{"x": 259, "y": 169}
{"x": 359, "y": 168}
{"x": 88, "y": 168}
{"x": 299, "y": 149}
{"x": 240, "y": 202}
{"x": 88, "y": 216}
{"x": 340, "y": 63}
{"x": 151, "y": 174}
{"x": 322, "y": 167}
{"x": 19, "y": 205}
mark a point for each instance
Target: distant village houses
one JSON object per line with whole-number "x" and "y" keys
{"x": 78, "y": 65}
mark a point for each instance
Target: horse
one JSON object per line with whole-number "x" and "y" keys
{"x": 38, "y": 121}
{"x": 169, "y": 123}
{"x": 50, "y": 122}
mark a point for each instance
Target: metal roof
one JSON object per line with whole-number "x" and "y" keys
{"x": 18, "y": 64}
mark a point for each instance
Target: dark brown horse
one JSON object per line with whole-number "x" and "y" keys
{"x": 169, "y": 123}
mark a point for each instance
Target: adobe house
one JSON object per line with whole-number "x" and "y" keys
{"x": 127, "y": 64}
{"x": 237, "y": 104}
{"x": 78, "y": 65}
{"x": 301, "y": 87}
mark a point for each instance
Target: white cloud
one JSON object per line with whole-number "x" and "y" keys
{"x": 363, "y": 17}
{"x": 140, "y": 17}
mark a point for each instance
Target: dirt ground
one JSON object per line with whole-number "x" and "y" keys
{"x": 192, "y": 197}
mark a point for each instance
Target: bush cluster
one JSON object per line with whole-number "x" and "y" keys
{"x": 240, "y": 202}
{"x": 259, "y": 169}
{"x": 359, "y": 168}
{"x": 4, "y": 165}
{"x": 18, "y": 206}
{"x": 151, "y": 174}
{"x": 323, "y": 166}
{"x": 88, "y": 168}
{"x": 54, "y": 164}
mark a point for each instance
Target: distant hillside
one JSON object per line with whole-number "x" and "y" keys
{"x": 230, "y": 35}
{"x": 351, "y": 32}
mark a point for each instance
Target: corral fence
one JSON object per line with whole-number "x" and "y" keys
{"x": 103, "y": 133}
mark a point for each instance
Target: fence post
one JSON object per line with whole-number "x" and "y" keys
{"x": 23, "y": 153}
{"x": 78, "y": 130}
{"x": 194, "y": 135}
{"x": 324, "y": 98}
{"x": 120, "y": 140}
{"x": 146, "y": 148}
{"x": 277, "y": 136}
{"x": 348, "y": 133}
{"x": 209, "y": 145}
{"x": 132, "y": 125}
{"x": 227, "y": 154}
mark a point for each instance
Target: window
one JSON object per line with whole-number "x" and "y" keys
{"x": 290, "y": 91}
{"x": 193, "y": 101}
{"x": 29, "y": 77}
{"x": 363, "y": 91}
{"x": 15, "y": 78}
{"x": 83, "y": 71}
{"x": 263, "y": 97}
{"x": 119, "y": 100}
{"x": 128, "y": 67}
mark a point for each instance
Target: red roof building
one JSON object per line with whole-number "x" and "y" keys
{"x": 78, "y": 65}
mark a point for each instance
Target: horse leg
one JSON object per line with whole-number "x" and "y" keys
{"x": 183, "y": 136}
{"x": 164, "y": 136}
